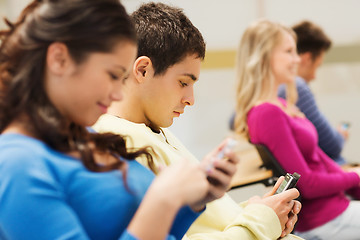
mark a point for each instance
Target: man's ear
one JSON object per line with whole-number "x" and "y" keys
{"x": 143, "y": 68}
{"x": 58, "y": 58}
{"x": 306, "y": 58}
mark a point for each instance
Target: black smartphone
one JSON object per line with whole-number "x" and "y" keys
{"x": 289, "y": 182}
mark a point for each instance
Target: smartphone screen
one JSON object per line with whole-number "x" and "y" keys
{"x": 289, "y": 182}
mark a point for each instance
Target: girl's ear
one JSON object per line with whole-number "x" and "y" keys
{"x": 143, "y": 69}
{"x": 58, "y": 59}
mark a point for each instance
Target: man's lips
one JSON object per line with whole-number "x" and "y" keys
{"x": 178, "y": 113}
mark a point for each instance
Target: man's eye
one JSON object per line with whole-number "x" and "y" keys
{"x": 183, "y": 84}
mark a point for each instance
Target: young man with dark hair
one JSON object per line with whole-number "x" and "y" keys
{"x": 312, "y": 44}
{"x": 158, "y": 89}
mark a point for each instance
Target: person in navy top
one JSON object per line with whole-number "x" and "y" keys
{"x": 312, "y": 44}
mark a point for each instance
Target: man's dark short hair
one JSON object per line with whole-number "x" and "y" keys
{"x": 166, "y": 35}
{"x": 311, "y": 38}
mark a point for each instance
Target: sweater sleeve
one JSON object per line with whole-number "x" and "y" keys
{"x": 271, "y": 128}
{"x": 224, "y": 219}
{"x": 330, "y": 140}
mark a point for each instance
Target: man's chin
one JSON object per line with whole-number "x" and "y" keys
{"x": 167, "y": 123}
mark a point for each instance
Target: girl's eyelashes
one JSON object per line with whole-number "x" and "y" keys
{"x": 291, "y": 50}
{"x": 121, "y": 76}
{"x": 113, "y": 76}
{"x": 125, "y": 77}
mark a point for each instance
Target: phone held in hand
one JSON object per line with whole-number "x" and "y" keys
{"x": 289, "y": 182}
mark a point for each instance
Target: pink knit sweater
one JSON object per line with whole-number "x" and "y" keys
{"x": 294, "y": 143}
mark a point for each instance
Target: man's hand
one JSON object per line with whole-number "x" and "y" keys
{"x": 283, "y": 204}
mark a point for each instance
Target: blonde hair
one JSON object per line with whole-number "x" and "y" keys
{"x": 253, "y": 71}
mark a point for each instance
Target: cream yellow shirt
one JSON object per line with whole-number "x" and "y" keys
{"x": 223, "y": 218}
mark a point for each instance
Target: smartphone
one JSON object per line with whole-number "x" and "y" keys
{"x": 289, "y": 182}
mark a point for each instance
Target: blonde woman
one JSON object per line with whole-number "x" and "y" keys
{"x": 267, "y": 57}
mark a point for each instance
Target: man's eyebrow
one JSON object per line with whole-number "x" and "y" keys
{"x": 192, "y": 76}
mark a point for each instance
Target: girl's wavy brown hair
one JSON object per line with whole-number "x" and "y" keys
{"x": 85, "y": 27}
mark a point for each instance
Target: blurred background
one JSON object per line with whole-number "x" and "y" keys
{"x": 336, "y": 87}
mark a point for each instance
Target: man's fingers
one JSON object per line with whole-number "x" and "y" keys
{"x": 297, "y": 207}
{"x": 289, "y": 226}
{"x": 290, "y": 194}
{"x": 232, "y": 157}
{"x": 277, "y": 184}
{"x": 226, "y": 167}
{"x": 219, "y": 178}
